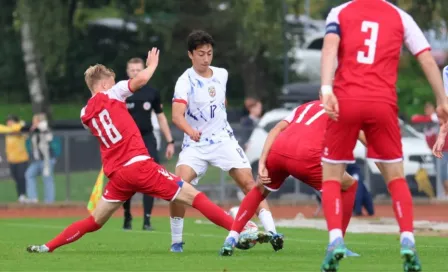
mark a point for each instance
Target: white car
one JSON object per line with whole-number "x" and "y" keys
{"x": 414, "y": 144}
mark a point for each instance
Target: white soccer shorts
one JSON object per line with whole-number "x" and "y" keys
{"x": 225, "y": 155}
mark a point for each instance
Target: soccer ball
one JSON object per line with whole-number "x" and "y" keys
{"x": 249, "y": 230}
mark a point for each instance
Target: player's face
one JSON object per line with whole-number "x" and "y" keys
{"x": 133, "y": 69}
{"x": 202, "y": 57}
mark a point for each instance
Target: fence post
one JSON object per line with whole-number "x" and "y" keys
{"x": 222, "y": 184}
{"x": 67, "y": 165}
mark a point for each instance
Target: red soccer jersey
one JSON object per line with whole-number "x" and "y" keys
{"x": 108, "y": 119}
{"x": 307, "y": 124}
{"x": 372, "y": 33}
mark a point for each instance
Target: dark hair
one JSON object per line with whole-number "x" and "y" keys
{"x": 198, "y": 38}
{"x": 13, "y": 118}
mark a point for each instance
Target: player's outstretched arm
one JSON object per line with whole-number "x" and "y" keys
{"x": 275, "y": 131}
{"x": 178, "y": 118}
{"x": 142, "y": 78}
{"x": 432, "y": 72}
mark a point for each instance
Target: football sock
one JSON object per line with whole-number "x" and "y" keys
{"x": 233, "y": 234}
{"x": 402, "y": 205}
{"x": 247, "y": 209}
{"x": 348, "y": 202}
{"x": 148, "y": 203}
{"x": 127, "y": 208}
{"x": 177, "y": 227}
{"x": 331, "y": 202}
{"x": 407, "y": 234}
{"x": 212, "y": 211}
{"x": 73, "y": 232}
{"x": 267, "y": 221}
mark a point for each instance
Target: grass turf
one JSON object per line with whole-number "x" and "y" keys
{"x": 112, "y": 249}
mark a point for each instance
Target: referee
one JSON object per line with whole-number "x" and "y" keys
{"x": 140, "y": 105}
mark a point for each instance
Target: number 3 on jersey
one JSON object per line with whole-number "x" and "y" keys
{"x": 373, "y": 27}
{"x": 112, "y": 132}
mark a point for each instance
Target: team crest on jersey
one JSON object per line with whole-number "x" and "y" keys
{"x": 211, "y": 91}
{"x": 146, "y": 106}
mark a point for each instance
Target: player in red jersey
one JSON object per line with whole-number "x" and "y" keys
{"x": 293, "y": 147}
{"x": 125, "y": 158}
{"x": 366, "y": 37}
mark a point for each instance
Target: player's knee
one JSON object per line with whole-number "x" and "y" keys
{"x": 187, "y": 194}
{"x": 347, "y": 183}
{"x": 247, "y": 185}
{"x": 391, "y": 171}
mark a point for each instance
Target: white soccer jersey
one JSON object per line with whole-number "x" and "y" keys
{"x": 206, "y": 110}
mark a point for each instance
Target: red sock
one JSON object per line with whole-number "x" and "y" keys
{"x": 73, "y": 232}
{"x": 402, "y": 204}
{"x": 247, "y": 209}
{"x": 348, "y": 202}
{"x": 331, "y": 202}
{"x": 212, "y": 211}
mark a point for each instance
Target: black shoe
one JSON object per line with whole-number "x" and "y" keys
{"x": 127, "y": 225}
{"x": 147, "y": 227}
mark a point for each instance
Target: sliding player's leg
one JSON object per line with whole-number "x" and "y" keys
{"x": 385, "y": 147}
{"x": 229, "y": 156}
{"x": 76, "y": 230}
{"x": 252, "y": 201}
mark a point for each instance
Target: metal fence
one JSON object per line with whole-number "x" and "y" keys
{"x": 77, "y": 168}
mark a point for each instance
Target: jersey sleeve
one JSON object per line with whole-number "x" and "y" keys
{"x": 291, "y": 116}
{"x": 414, "y": 39}
{"x": 157, "y": 105}
{"x": 83, "y": 112}
{"x": 332, "y": 22}
{"x": 121, "y": 90}
{"x": 181, "y": 91}
{"x": 445, "y": 79}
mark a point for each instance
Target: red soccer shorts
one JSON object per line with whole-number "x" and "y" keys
{"x": 378, "y": 120}
{"x": 307, "y": 169}
{"x": 146, "y": 177}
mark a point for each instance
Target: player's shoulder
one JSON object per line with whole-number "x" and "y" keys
{"x": 221, "y": 73}
{"x": 184, "y": 79}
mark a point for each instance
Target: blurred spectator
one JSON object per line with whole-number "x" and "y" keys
{"x": 43, "y": 153}
{"x": 249, "y": 122}
{"x": 431, "y": 129}
{"x": 363, "y": 197}
{"x": 16, "y": 154}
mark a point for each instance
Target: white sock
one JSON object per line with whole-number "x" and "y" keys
{"x": 44, "y": 248}
{"x": 335, "y": 234}
{"x": 235, "y": 235}
{"x": 407, "y": 234}
{"x": 266, "y": 219}
{"x": 177, "y": 227}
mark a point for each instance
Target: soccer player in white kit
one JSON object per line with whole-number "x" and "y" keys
{"x": 199, "y": 110}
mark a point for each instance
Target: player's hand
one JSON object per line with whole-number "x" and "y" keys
{"x": 169, "y": 151}
{"x": 263, "y": 174}
{"x": 331, "y": 105}
{"x": 442, "y": 113}
{"x": 153, "y": 58}
{"x": 438, "y": 147}
{"x": 195, "y": 135}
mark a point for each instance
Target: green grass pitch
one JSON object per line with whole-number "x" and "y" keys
{"x": 112, "y": 249}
